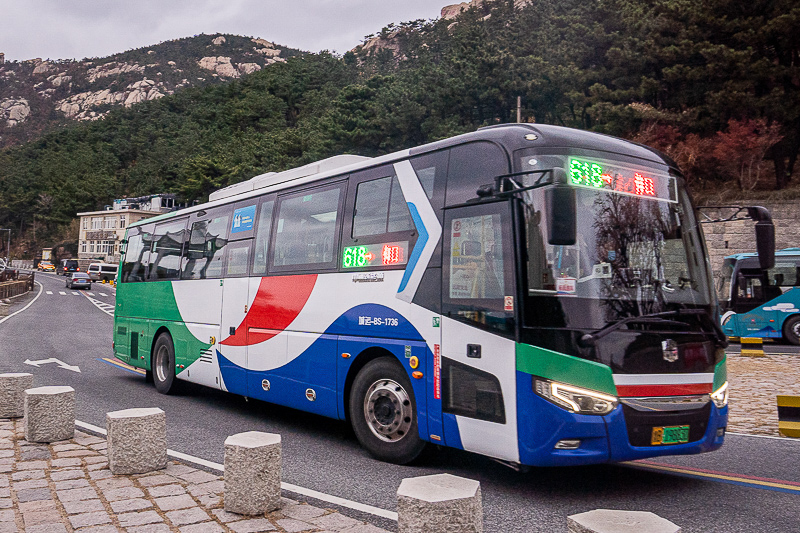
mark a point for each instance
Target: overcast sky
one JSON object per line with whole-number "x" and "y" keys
{"x": 73, "y": 29}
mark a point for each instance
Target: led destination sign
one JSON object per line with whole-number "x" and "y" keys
{"x": 384, "y": 254}
{"x": 623, "y": 180}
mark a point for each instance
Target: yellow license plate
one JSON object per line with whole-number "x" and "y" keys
{"x": 669, "y": 435}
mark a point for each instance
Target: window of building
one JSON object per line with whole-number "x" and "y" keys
{"x": 83, "y": 246}
{"x": 91, "y": 247}
{"x": 97, "y": 223}
{"x": 122, "y": 221}
{"x": 85, "y": 223}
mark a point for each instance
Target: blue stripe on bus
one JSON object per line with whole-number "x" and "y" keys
{"x": 418, "y": 247}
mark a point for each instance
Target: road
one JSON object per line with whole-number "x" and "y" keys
{"x": 751, "y": 484}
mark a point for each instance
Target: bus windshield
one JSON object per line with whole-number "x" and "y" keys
{"x": 638, "y": 248}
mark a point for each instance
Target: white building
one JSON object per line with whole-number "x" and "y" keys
{"x": 101, "y": 232}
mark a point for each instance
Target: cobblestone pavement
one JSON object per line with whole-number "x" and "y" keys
{"x": 755, "y": 383}
{"x": 66, "y": 486}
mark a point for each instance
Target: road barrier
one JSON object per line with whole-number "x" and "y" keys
{"x": 252, "y": 473}
{"x": 12, "y": 394}
{"x": 137, "y": 440}
{"x": 612, "y": 521}
{"x": 789, "y": 416}
{"x": 440, "y": 503}
{"x": 49, "y": 414}
{"x": 753, "y": 347}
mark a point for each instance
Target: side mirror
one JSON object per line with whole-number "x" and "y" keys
{"x": 765, "y": 244}
{"x": 562, "y": 215}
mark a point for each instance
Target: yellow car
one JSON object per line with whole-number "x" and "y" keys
{"x": 46, "y": 266}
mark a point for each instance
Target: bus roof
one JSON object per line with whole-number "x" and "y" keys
{"x": 512, "y": 136}
{"x": 780, "y": 253}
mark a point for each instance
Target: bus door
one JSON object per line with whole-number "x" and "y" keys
{"x": 478, "y": 352}
{"x": 237, "y": 297}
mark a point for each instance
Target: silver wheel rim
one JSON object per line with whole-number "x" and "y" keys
{"x": 795, "y": 329}
{"x": 387, "y": 409}
{"x": 162, "y": 363}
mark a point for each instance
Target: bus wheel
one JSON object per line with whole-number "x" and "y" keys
{"x": 791, "y": 329}
{"x": 163, "y": 364}
{"x": 383, "y": 412}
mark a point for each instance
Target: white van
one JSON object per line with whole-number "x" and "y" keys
{"x": 102, "y": 271}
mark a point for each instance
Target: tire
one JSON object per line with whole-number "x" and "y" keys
{"x": 791, "y": 330}
{"x": 163, "y": 364}
{"x": 383, "y": 412}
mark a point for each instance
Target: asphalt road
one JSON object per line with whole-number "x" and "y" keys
{"x": 725, "y": 491}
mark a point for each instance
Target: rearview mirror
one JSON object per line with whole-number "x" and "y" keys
{"x": 765, "y": 244}
{"x": 562, "y": 215}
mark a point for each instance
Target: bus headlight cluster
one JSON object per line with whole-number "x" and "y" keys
{"x": 720, "y": 396}
{"x": 575, "y": 399}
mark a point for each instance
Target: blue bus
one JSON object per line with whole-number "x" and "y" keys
{"x": 757, "y": 302}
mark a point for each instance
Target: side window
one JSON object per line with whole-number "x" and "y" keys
{"x": 133, "y": 267}
{"x": 205, "y": 247}
{"x": 262, "y": 237}
{"x": 166, "y": 249}
{"x": 380, "y": 208}
{"x": 306, "y": 231}
{"x": 237, "y": 258}
{"x": 472, "y": 165}
{"x": 478, "y": 272}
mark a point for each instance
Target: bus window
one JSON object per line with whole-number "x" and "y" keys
{"x": 262, "y": 237}
{"x": 306, "y": 231}
{"x": 165, "y": 252}
{"x": 206, "y": 246}
{"x": 473, "y": 165}
{"x": 237, "y": 259}
{"x": 134, "y": 265}
{"x": 380, "y": 208}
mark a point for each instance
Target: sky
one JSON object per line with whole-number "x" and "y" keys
{"x": 73, "y": 29}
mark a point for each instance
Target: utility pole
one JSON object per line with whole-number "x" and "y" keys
{"x": 519, "y": 109}
{"x": 8, "y": 249}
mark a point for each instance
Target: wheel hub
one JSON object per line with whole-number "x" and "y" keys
{"x": 387, "y": 409}
{"x": 162, "y": 362}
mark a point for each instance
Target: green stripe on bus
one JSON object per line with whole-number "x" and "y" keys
{"x": 565, "y": 368}
{"x": 720, "y": 373}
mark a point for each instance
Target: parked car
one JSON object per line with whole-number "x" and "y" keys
{"x": 102, "y": 271}
{"x": 47, "y": 266}
{"x": 77, "y": 280}
{"x": 66, "y": 266}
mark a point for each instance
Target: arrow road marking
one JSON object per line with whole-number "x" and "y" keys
{"x": 60, "y": 363}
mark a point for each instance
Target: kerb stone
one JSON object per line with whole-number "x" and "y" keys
{"x": 137, "y": 440}
{"x": 12, "y": 394}
{"x": 49, "y": 414}
{"x": 611, "y": 521}
{"x": 440, "y": 503}
{"x": 252, "y": 473}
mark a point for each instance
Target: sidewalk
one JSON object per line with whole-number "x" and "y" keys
{"x": 66, "y": 486}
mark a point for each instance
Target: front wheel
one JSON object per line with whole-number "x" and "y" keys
{"x": 791, "y": 329}
{"x": 163, "y": 364}
{"x": 383, "y": 412}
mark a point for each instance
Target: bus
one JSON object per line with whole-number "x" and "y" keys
{"x": 536, "y": 294}
{"x": 759, "y": 302}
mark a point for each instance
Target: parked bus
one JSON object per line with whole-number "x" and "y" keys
{"x": 537, "y": 294}
{"x": 757, "y": 302}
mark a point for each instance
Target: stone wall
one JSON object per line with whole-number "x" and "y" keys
{"x": 726, "y": 238}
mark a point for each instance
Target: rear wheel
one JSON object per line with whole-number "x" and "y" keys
{"x": 383, "y": 412}
{"x": 791, "y": 329}
{"x": 163, "y": 364}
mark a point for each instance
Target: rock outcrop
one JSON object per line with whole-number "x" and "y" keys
{"x": 14, "y": 110}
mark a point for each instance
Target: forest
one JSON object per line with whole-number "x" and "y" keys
{"x": 715, "y": 84}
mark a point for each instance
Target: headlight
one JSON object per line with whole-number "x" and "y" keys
{"x": 575, "y": 399}
{"x": 720, "y": 396}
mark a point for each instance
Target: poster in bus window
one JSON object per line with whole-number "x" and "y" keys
{"x": 476, "y": 258}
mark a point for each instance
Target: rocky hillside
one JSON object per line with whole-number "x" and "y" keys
{"x": 37, "y": 94}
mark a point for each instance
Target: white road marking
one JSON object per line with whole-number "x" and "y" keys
{"x": 90, "y": 293}
{"x": 27, "y": 306}
{"x": 48, "y": 292}
{"x": 103, "y": 294}
{"x": 350, "y": 504}
{"x": 74, "y": 293}
{"x": 60, "y": 363}
{"x": 62, "y": 293}
{"x": 104, "y": 307}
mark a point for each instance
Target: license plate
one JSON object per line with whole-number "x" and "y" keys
{"x": 669, "y": 435}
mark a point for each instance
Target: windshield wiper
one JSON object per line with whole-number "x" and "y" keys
{"x": 653, "y": 318}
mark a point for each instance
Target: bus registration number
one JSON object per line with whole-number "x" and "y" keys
{"x": 669, "y": 435}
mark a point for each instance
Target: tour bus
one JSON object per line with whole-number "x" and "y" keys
{"x": 758, "y": 302}
{"x": 537, "y": 294}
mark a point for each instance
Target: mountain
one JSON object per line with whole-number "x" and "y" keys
{"x": 37, "y": 94}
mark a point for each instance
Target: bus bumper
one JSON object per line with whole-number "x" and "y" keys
{"x": 544, "y": 429}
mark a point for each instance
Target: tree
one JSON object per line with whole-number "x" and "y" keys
{"x": 741, "y": 149}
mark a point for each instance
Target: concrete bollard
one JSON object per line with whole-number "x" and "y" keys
{"x": 12, "y": 394}
{"x": 252, "y": 473}
{"x": 611, "y": 521}
{"x": 49, "y": 414}
{"x": 440, "y": 503}
{"x": 137, "y": 440}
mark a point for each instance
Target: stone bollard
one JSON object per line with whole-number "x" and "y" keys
{"x": 12, "y": 394}
{"x": 252, "y": 473}
{"x": 49, "y": 414}
{"x": 137, "y": 440}
{"x": 440, "y": 503}
{"x": 611, "y": 521}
